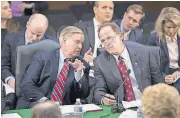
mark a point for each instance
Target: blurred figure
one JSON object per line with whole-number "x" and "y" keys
{"x": 46, "y": 110}
{"x": 15, "y": 8}
{"x": 8, "y": 25}
{"x": 131, "y": 21}
{"x": 167, "y": 37}
{"x": 35, "y": 30}
{"x": 161, "y": 101}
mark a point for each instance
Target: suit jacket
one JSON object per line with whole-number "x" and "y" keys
{"x": 135, "y": 34}
{"x": 40, "y": 78}
{"x": 108, "y": 78}
{"x": 153, "y": 40}
{"x": 88, "y": 29}
{"x": 8, "y": 57}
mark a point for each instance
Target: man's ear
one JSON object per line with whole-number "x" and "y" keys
{"x": 124, "y": 14}
{"x": 95, "y": 10}
{"x": 27, "y": 24}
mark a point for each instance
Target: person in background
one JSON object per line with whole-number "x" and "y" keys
{"x": 161, "y": 101}
{"x": 8, "y": 25}
{"x": 127, "y": 65}
{"x": 46, "y": 110}
{"x": 167, "y": 36}
{"x": 35, "y": 30}
{"x": 15, "y": 8}
{"x": 130, "y": 23}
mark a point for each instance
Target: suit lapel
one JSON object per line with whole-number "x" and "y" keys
{"x": 91, "y": 33}
{"x": 164, "y": 45}
{"x": 135, "y": 63}
{"x": 132, "y": 35}
{"x": 54, "y": 62}
{"x": 113, "y": 67}
{"x": 69, "y": 80}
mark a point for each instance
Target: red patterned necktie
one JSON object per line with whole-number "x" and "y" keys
{"x": 58, "y": 89}
{"x": 128, "y": 90}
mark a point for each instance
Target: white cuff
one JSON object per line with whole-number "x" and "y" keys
{"x": 8, "y": 78}
{"x": 78, "y": 75}
{"x": 43, "y": 99}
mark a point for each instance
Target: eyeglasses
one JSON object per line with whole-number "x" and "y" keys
{"x": 108, "y": 40}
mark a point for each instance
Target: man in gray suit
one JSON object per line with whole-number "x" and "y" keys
{"x": 127, "y": 65}
{"x": 130, "y": 23}
{"x": 35, "y": 30}
{"x": 58, "y": 75}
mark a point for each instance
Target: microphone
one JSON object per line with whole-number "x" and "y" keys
{"x": 119, "y": 108}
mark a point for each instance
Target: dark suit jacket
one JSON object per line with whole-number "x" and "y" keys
{"x": 40, "y": 78}
{"x": 108, "y": 78}
{"x": 88, "y": 29}
{"x": 8, "y": 56}
{"x": 153, "y": 40}
{"x": 135, "y": 34}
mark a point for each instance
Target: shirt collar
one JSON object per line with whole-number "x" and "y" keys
{"x": 62, "y": 56}
{"x": 123, "y": 54}
{"x": 169, "y": 38}
{"x": 96, "y": 23}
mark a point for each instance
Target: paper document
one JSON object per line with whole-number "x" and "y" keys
{"x": 128, "y": 114}
{"x": 11, "y": 115}
{"x": 135, "y": 103}
{"x": 65, "y": 109}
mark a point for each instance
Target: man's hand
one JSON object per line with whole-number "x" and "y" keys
{"x": 109, "y": 99}
{"x": 176, "y": 74}
{"x": 11, "y": 83}
{"x": 88, "y": 56}
{"x": 77, "y": 65}
{"x": 169, "y": 79}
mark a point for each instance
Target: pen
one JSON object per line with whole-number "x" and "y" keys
{"x": 107, "y": 97}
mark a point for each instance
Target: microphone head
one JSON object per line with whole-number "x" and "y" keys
{"x": 129, "y": 71}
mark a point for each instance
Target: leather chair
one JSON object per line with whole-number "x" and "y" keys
{"x": 24, "y": 56}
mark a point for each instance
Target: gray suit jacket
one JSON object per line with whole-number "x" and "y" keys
{"x": 88, "y": 29}
{"x": 108, "y": 78}
{"x": 40, "y": 78}
{"x": 8, "y": 56}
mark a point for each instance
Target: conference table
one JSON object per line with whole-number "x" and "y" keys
{"x": 26, "y": 113}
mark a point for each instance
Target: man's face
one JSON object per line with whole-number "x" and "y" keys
{"x": 5, "y": 10}
{"x": 131, "y": 20}
{"x": 104, "y": 11}
{"x": 110, "y": 40}
{"x": 73, "y": 44}
{"x": 170, "y": 28}
{"x": 35, "y": 32}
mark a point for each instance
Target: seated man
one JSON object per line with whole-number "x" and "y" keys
{"x": 53, "y": 75}
{"x": 127, "y": 65}
{"x": 35, "y": 31}
{"x": 46, "y": 110}
{"x": 161, "y": 101}
{"x": 130, "y": 23}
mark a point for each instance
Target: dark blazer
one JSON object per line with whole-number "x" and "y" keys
{"x": 40, "y": 78}
{"x": 8, "y": 56}
{"x": 135, "y": 34}
{"x": 153, "y": 40}
{"x": 108, "y": 78}
{"x": 88, "y": 29}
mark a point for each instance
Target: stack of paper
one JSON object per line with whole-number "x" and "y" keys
{"x": 11, "y": 115}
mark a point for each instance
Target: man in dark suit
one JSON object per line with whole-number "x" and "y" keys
{"x": 35, "y": 30}
{"x": 130, "y": 23}
{"x": 103, "y": 11}
{"x": 52, "y": 76}
{"x": 126, "y": 65}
